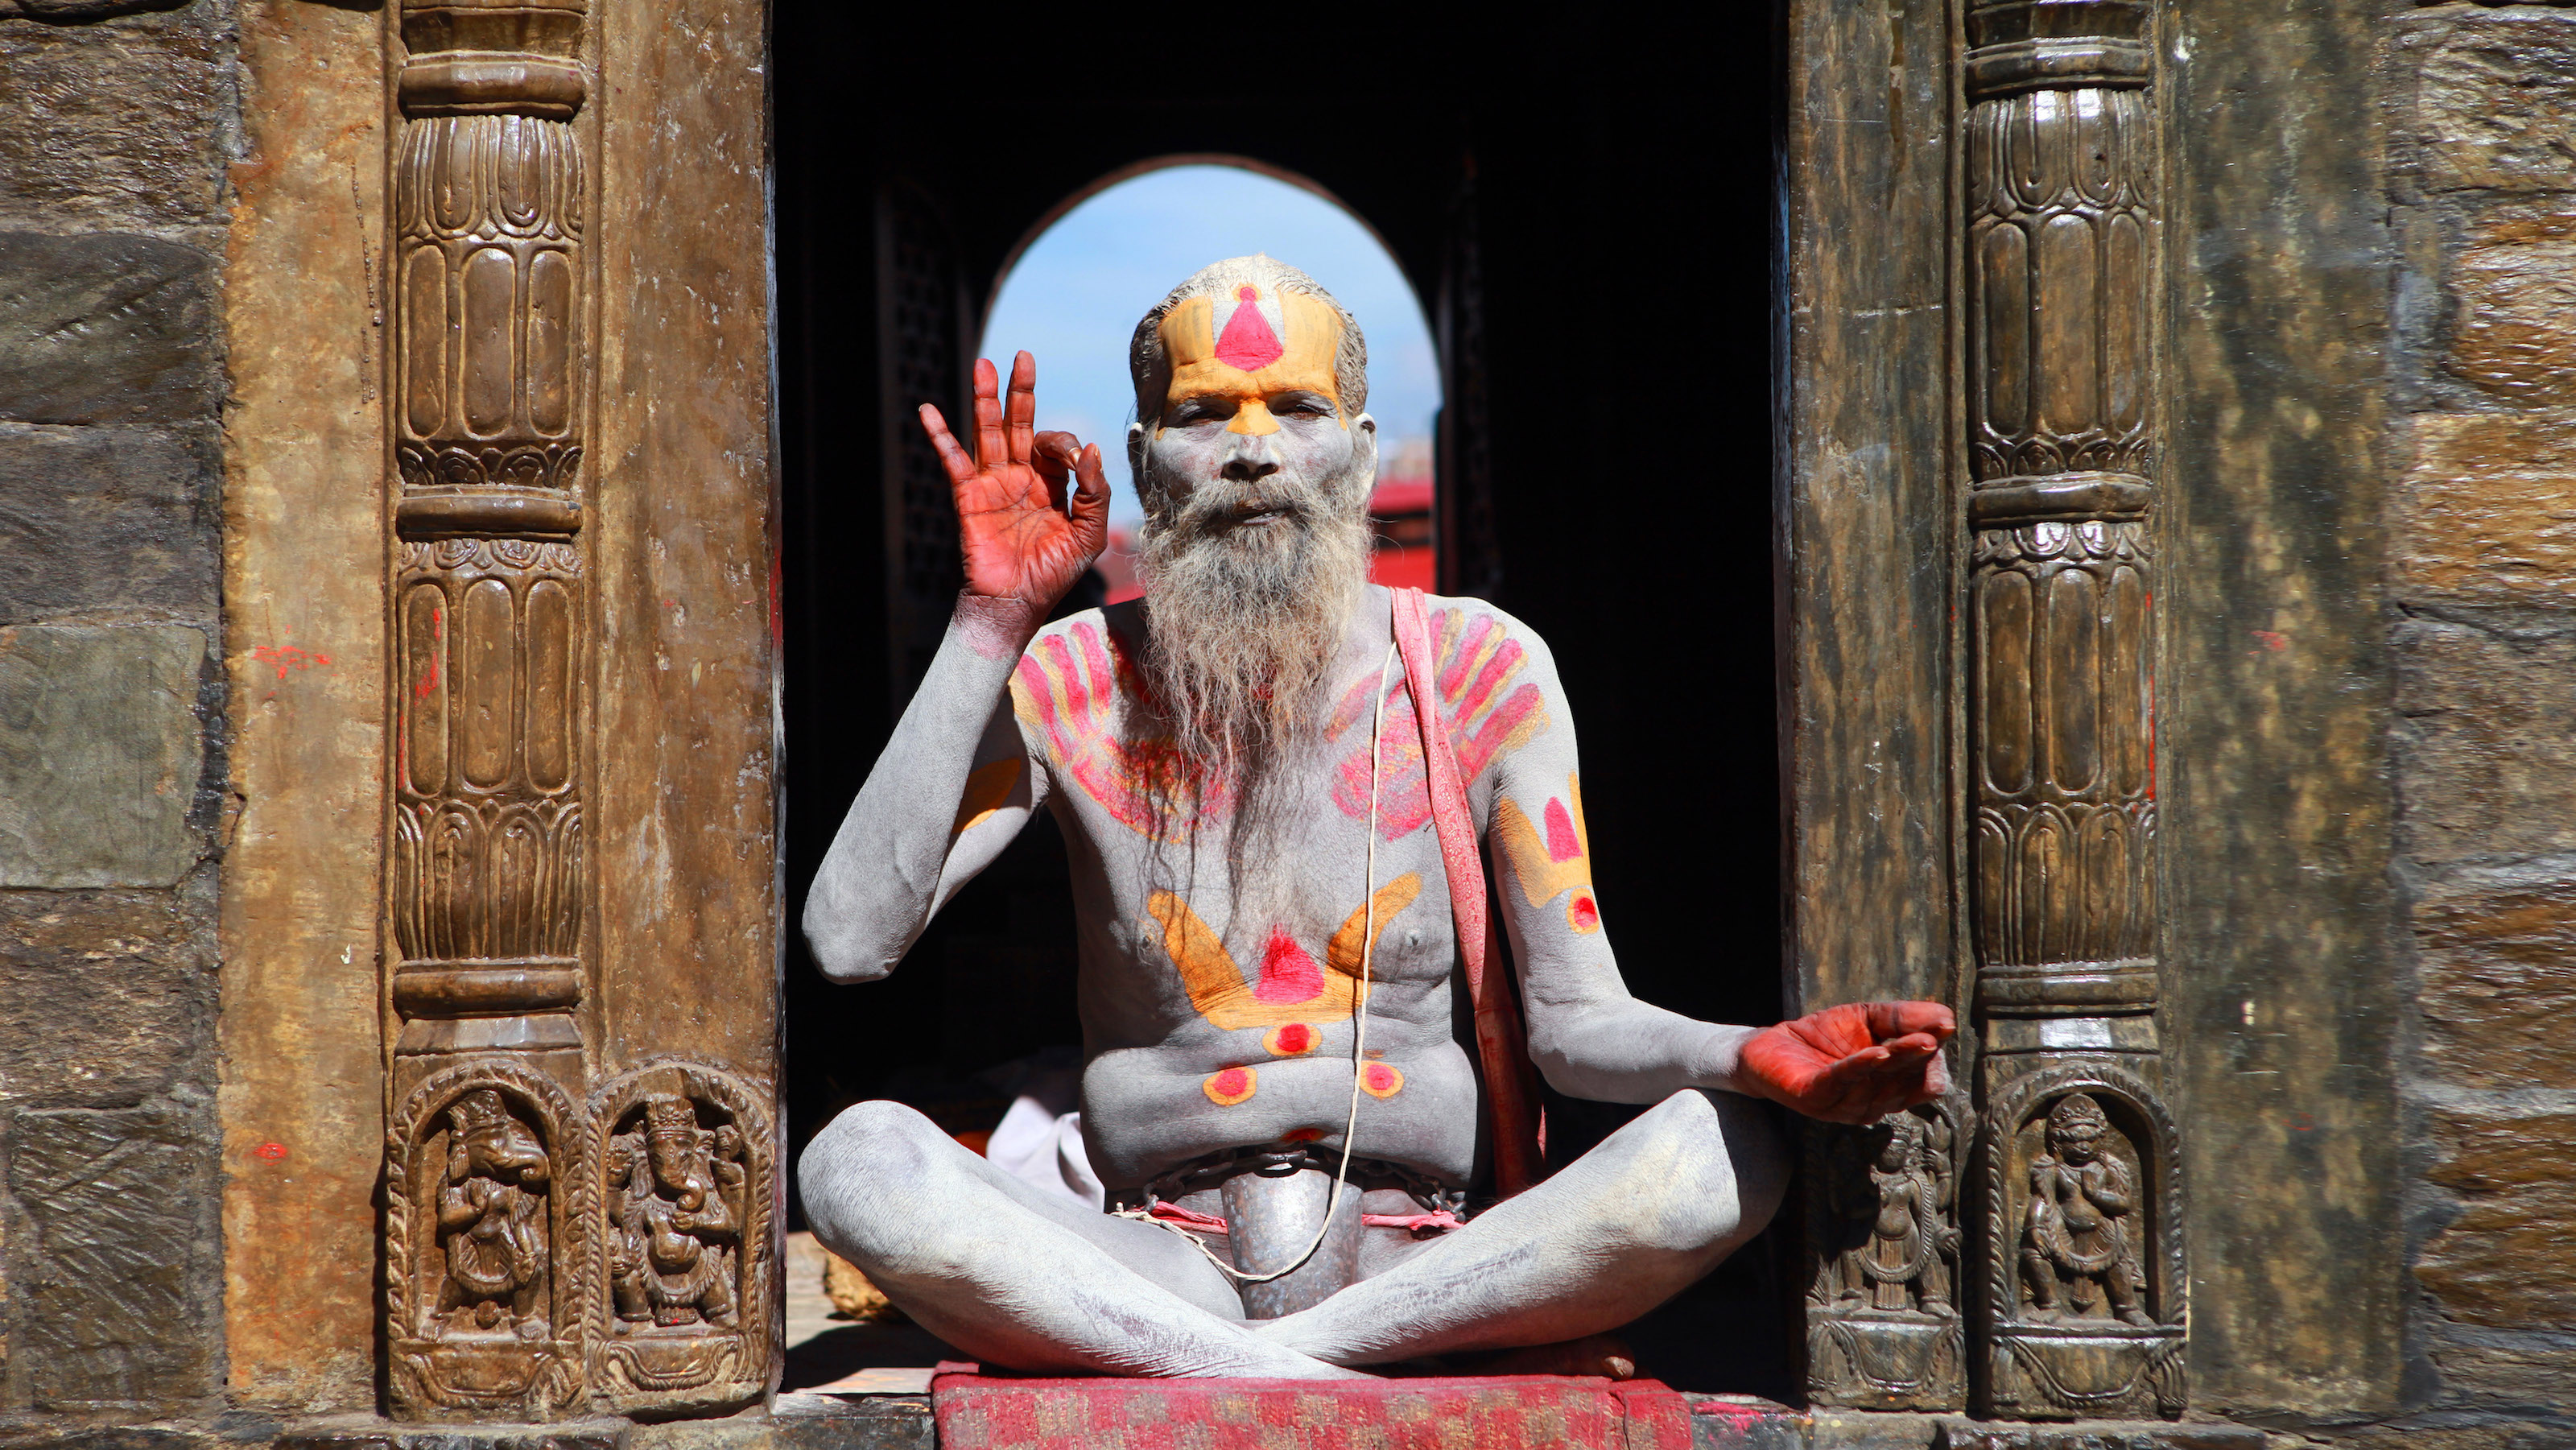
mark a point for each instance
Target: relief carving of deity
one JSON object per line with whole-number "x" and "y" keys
{"x": 675, "y": 1225}
{"x": 492, "y": 1221}
{"x": 2079, "y": 1258}
{"x": 1905, "y": 1196}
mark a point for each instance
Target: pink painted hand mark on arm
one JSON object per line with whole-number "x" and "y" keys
{"x": 1485, "y": 719}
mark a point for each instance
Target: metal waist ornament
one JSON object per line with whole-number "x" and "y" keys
{"x": 2080, "y": 1301}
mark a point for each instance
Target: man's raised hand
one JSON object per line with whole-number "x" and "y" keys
{"x": 1021, "y": 538}
{"x": 1854, "y": 1063}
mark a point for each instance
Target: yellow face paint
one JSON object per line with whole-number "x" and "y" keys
{"x": 1249, "y": 358}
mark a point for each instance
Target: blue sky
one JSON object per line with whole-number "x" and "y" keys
{"x": 1076, "y": 294}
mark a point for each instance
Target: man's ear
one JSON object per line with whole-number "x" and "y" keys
{"x": 1136, "y": 453}
{"x": 1364, "y": 447}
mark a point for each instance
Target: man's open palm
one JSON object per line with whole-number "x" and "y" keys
{"x": 1021, "y": 539}
{"x": 1855, "y": 1063}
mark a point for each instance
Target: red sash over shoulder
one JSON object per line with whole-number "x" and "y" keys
{"x": 1502, "y": 1044}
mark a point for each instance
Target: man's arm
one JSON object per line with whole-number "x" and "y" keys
{"x": 957, "y": 781}
{"x": 1591, "y": 1038}
{"x": 953, "y": 787}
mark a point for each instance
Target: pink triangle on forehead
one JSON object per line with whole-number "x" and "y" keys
{"x": 1248, "y": 342}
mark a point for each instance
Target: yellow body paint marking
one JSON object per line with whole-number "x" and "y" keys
{"x": 1217, "y": 987}
{"x": 1546, "y": 862}
{"x": 988, "y": 788}
{"x": 1314, "y": 338}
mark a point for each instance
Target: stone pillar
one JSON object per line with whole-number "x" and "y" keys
{"x": 2080, "y": 1266}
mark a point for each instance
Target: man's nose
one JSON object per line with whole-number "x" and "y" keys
{"x": 1249, "y": 463}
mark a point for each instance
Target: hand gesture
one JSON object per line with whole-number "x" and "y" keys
{"x": 1021, "y": 538}
{"x": 1855, "y": 1063}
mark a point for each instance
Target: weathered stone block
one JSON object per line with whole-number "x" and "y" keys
{"x": 102, "y": 994}
{"x": 71, "y": 12}
{"x": 107, "y": 518}
{"x": 2513, "y": 317}
{"x": 111, "y": 1271}
{"x": 105, "y": 328}
{"x": 2510, "y": 1375}
{"x": 2503, "y": 1261}
{"x": 120, "y": 123}
{"x": 2498, "y": 986}
{"x": 2488, "y": 765}
{"x": 2488, "y": 508}
{"x": 99, "y": 754}
{"x": 2492, "y": 91}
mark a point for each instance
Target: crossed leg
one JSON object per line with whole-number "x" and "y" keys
{"x": 1610, "y": 1236}
{"x": 1012, "y": 1276}
{"x": 1017, "y": 1278}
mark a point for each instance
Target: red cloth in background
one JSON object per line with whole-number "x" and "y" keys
{"x": 1502, "y": 1412}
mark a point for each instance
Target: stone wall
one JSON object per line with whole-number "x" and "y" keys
{"x": 113, "y": 216}
{"x": 2482, "y": 181}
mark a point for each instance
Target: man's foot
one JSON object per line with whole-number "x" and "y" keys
{"x": 1605, "y": 1355}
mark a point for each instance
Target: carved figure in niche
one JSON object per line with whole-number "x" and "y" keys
{"x": 1906, "y": 1190}
{"x": 492, "y": 1220}
{"x": 2077, "y": 1259}
{"x": 675, "y": 1235}
{"x": 1258, "y": 766}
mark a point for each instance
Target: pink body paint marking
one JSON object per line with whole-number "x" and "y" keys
{"x": 1288, "y": 974}
{"x": 1477, "y": 664}
{"x": 1079, "y": 689}
{"x": 1561, "y": 844}
{"x": 1248, "y": 342}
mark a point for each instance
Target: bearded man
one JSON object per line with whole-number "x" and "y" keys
{"x": 1279, "y": 1086}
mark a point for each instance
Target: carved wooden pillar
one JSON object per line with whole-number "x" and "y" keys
{"x": 490, "y": 627}
{"x": 2081, "y": 1269}
{"x": 490, "y": 1185}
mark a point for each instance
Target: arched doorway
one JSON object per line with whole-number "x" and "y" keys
{"x": 1602, "y": 462}
{"x": 1072, "y": 293}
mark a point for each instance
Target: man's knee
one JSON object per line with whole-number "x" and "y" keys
{"x": 1721, "y": 1169}
{"x": 860, "y": 1172}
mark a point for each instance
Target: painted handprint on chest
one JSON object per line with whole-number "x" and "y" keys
{"x": 1484, "y": 704}
{"x": 1083, "y": 690}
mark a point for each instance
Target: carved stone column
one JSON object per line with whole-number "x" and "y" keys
{"x": 2081, "y": 1268}
{"x": 490, "y": 1186}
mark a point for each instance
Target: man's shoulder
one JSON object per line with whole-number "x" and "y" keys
{"x": 1464, "y": 621}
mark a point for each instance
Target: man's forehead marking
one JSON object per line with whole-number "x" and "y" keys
{"x": 1209, "y": 338}
{"x": 1248, "y": 341}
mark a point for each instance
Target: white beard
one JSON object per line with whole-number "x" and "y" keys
{"x": 1243, "y": 626}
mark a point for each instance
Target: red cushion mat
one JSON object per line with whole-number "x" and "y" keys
{"x": 1501, "y": 1412}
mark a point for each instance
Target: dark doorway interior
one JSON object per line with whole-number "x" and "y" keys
{"x": 1597, "y": 248}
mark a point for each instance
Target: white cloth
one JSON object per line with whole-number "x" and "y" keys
{"x": 1039, "y": 1140}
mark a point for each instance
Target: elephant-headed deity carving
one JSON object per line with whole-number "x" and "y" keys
{"x": 674, "y": 1194}
{"x": 487, "y": 1184}
{"x": 492, "y": 1204}
{"x": 682, "y": 1279}
{"x": 2079, "y": 1252}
